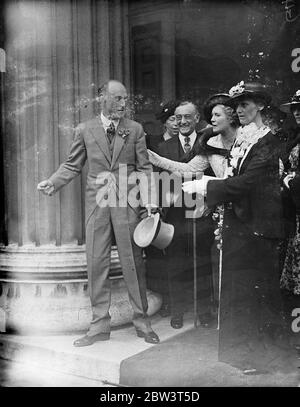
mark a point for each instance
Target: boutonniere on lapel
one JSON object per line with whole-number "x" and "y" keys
{"x": 218, "y": 218}
{"x": 123, "y": 133}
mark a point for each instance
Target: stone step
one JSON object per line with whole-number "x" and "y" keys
{"x": 98, "y": 362}
{"x": 16, "y": 374}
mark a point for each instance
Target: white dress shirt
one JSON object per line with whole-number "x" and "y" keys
{"x": 106, "y": 122}
{"x": 192, "y": 137}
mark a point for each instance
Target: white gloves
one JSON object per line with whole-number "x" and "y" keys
{"x": 199, "y": 186}
{"x": 153, "y": 157}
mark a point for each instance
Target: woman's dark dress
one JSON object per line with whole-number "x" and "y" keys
{"x": 252, "y": 327}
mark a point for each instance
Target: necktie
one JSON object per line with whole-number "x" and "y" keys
{"x": 111, "y": 131}
{"x": 187, "y": 146}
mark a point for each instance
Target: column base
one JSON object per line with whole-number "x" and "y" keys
{"x": 44, "y": 290}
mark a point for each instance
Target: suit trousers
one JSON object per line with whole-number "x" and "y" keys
{"x": 99, "y": 232}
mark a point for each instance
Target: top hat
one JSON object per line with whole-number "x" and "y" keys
{"x": 167, "y": 110}
{"x": 152, "y": 230}
{"x": 249, "y": 89}
{"x": 295, "y": 100}
{"x": 212, "y": 101}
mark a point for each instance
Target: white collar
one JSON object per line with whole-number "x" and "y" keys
{"x": 166, "y": 136}
{"x": 106, "y": 122}
{"x": 192, "y": 137}
{"x": 215, "y": 141}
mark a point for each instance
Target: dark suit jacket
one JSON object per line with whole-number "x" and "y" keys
{"x": 153, "y": 142}
{"x": 173, "y": 150}
{"x": 294, "y": 185}
{"x": 179, "y": 264}
{"x": 254, "y": 193}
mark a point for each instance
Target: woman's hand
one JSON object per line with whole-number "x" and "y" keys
{"x": 199, "y": 185}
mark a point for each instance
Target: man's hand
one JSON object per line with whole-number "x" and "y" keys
{"x": 46, "y": 187}
{"x": 149, "y": 210}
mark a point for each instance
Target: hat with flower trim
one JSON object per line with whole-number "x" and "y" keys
{"x": 249, "y": 89}
{"x": 295, "y": 100}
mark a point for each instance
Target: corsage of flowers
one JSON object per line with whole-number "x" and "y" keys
{"x": 218, "y": 217}
{"x": 123, "y": 133}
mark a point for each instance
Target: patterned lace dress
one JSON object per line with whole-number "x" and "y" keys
{"x": 290, "y": 278}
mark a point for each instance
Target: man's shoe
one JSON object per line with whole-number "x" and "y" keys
{"x": 89, "y": 340}
{"x": 150, "y": 337}
{"x": 165, "y": 310}
{"x": 177, "y": 322}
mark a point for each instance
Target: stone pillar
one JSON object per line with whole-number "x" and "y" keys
{"x": 57, "y": 55}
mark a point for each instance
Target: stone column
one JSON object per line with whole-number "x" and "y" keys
{"x": 57, "y": 55}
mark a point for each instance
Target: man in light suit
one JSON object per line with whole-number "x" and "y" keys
{"x": 115, "y": 149}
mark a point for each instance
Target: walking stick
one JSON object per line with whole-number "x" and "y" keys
{"x": 220, "y": 225}
{"x": 195, "y": 271}
{"x": 220, "y": 279}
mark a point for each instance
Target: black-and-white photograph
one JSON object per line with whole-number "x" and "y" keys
{"x": 149, "y": 195}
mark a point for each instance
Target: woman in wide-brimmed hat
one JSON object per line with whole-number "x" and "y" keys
{"x": 251, "y": 317}
{"x": 293, "y": 106}
{"x": 290, "y": 278}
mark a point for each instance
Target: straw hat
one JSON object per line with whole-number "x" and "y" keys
{"x": 152, "y": 230}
